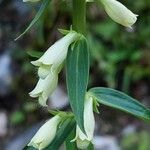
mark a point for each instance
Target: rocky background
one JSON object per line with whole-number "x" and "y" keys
{"x": 120, "y": 58}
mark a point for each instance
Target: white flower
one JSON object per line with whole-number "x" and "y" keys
{"x": 119, "y": 13}
{"x": 45, "y": 87}
{"x": 49, "y": 67}
{"x": 45, "y": 134}
{"x": 31, "y": 0}
{"x": 55, "y": 55}
{"x": 81, "y": 139}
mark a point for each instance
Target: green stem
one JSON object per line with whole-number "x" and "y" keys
{"x": 79, "y": 16}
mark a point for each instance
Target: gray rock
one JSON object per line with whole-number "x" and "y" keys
{"x": 21, "y": 7}
{"x": 3, "y": 123}
{"x": 19, "y": 142}
{"x": 5, "y": 73}
{"x": 106, "y": 143}
{"x": 129, "y": 129}
{"x": 58, "y": 99}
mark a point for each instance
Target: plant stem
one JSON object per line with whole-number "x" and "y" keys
{"x": 79, "y": 16}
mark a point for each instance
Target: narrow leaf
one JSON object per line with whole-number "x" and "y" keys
{"x": 37, "y": 16}
{"x": 121, "y": 101}
{"x": 77, "y": 73}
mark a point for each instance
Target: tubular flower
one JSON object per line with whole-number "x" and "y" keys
{"x": 45, "y": 134}
{"x": 81, "y": 139}
{"x": 49, "y": 67}
{"x": 45, "y": 87}
{"x": 55, "y": 55}
{"x": 119, "y": 13}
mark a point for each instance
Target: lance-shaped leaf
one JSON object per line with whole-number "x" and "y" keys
{"x": 121, "y": 101}
{"x": 44, "y": 5}
{"x": 77, "y": 73}
{"x": 61, "y": 135}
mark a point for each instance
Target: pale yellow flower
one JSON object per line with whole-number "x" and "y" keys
{"x": 55, "y": 55}
{"x": 45, "y": 87}
{"x": 119, "y": 13}
{"x": 45, "y": 134}
{"x": 81, "y": 139}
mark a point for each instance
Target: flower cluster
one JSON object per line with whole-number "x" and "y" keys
{"x": 50, "y": 65}
{"x": 47, "y": 132}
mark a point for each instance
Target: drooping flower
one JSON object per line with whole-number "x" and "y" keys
{"x": 55, "y": 55}
{"x": 49, "y": 67}
{"x": 45, "y": 87}
{"x": 119, "y": 13}
{"x": 45, "y": 134}
{"x": 81, "y": 139}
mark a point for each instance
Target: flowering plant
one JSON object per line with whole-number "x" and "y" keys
{"x": 72, "y": 51}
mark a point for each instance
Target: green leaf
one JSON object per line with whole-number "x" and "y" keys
{"x": 121, "y": 101}
{"x": 77, "y": 73}
{"x": 37, "y": 16}
{"x": 34, "y": 53}
{"x": 63, "y": 131}
{"x": 71, "y": 145}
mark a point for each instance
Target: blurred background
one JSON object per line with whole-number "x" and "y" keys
{"x": 120, "y": 59}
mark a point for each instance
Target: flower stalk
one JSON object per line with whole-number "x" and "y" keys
{"x": 79, "y": 16}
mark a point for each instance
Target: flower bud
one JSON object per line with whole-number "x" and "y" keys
{"x": 45, "y": 87}
{"x": 81, "y": 139}
{"x": 119, "y": 13}
{"x": 55, "y": 55}
{"x": 45, "y": 134}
